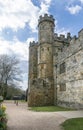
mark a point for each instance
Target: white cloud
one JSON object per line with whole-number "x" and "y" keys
{"x": 63, "y": 31}
{"x": 22, "y": 51}
{"x": 60, "y": 30}
{"x": 19, "y": 48}
{"x": 48, "y": 1}
{"x": 23, "y": 85}
{"x": 14, "y": 13}
{"x": 70, "y": 2}
{"x": 81, "y": 1}
{"x": 45, "y": 4}
{"x": 74, "y": 9}
{"x": 16, "y": 47}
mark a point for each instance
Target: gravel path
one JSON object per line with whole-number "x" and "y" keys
{"x": 19, "y": 118}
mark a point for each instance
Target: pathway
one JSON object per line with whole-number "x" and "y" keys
{"x": 20, "y": 118}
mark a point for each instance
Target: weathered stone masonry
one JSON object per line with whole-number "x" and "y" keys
{"x": 55, "y": 67}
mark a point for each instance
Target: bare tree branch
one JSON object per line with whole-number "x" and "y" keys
{"x": 9, "y": 71}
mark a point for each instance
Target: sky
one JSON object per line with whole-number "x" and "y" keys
{"x": 19, "y": 20}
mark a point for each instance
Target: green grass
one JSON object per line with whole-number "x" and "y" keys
{"x": 73, "y": 124}
{"x": 49, "y": 109}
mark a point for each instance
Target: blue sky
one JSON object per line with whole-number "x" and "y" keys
{"x": 19, "y": 19}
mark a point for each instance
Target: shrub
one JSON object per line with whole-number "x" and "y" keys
{"x": 3, "y": 118}
{"x": 3, "y": 108}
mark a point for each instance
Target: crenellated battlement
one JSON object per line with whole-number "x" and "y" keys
{"x": 62, "y": 37}
{"x": 56, "y": 36}
{"x": 33, "y": 43}
{"x": 46, "y": 17}
{"x": 75, "y": 38}
{"x": 68, "y": 38}
{"x": 80, "y": 34}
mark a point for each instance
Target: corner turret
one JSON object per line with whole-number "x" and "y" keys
{"x": 46, "y": 29}
{"x": 46, "y": 17}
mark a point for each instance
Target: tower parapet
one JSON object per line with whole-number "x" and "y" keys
{"x": 33, "y": 43}
{"x": 62, "y": 38}
{"x": 46, "y": 29}
{"x": 46, "y": 17}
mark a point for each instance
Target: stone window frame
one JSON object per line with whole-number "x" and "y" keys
{"x": 62, "y": 87}
{"x": 42, "y": 66}
{"x": 62, "y": 68}
{"x": 48, "y": 48}
{"x": 42, "y": 49}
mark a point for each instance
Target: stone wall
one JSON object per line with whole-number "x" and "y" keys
{"x": 72, "y": 56}
{"x": 45, "y": 62}
{"x": 55, "y": 67}
{"x": 33, "y": 60}
{"x": 41, "y": 92}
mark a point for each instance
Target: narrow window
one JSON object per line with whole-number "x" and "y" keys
{"x": 42, "y": 66}
{"x": 42, "y": 49}
{"x": 48, "y": 48}
{"x": 62, "y": 68}
{"x": 63, "y": 87}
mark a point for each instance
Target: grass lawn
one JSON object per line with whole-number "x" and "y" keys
{"x": 73, "y": 124}
{"x": 49, "y": 109}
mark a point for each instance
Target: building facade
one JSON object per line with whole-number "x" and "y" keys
{"x": 55, "y": 67}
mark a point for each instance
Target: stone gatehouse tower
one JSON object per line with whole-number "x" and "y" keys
{"x": 55, "y": 67}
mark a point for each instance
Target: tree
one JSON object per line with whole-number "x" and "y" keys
{"x": 13, "y": 91}
{"x": 9, "y": 72}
